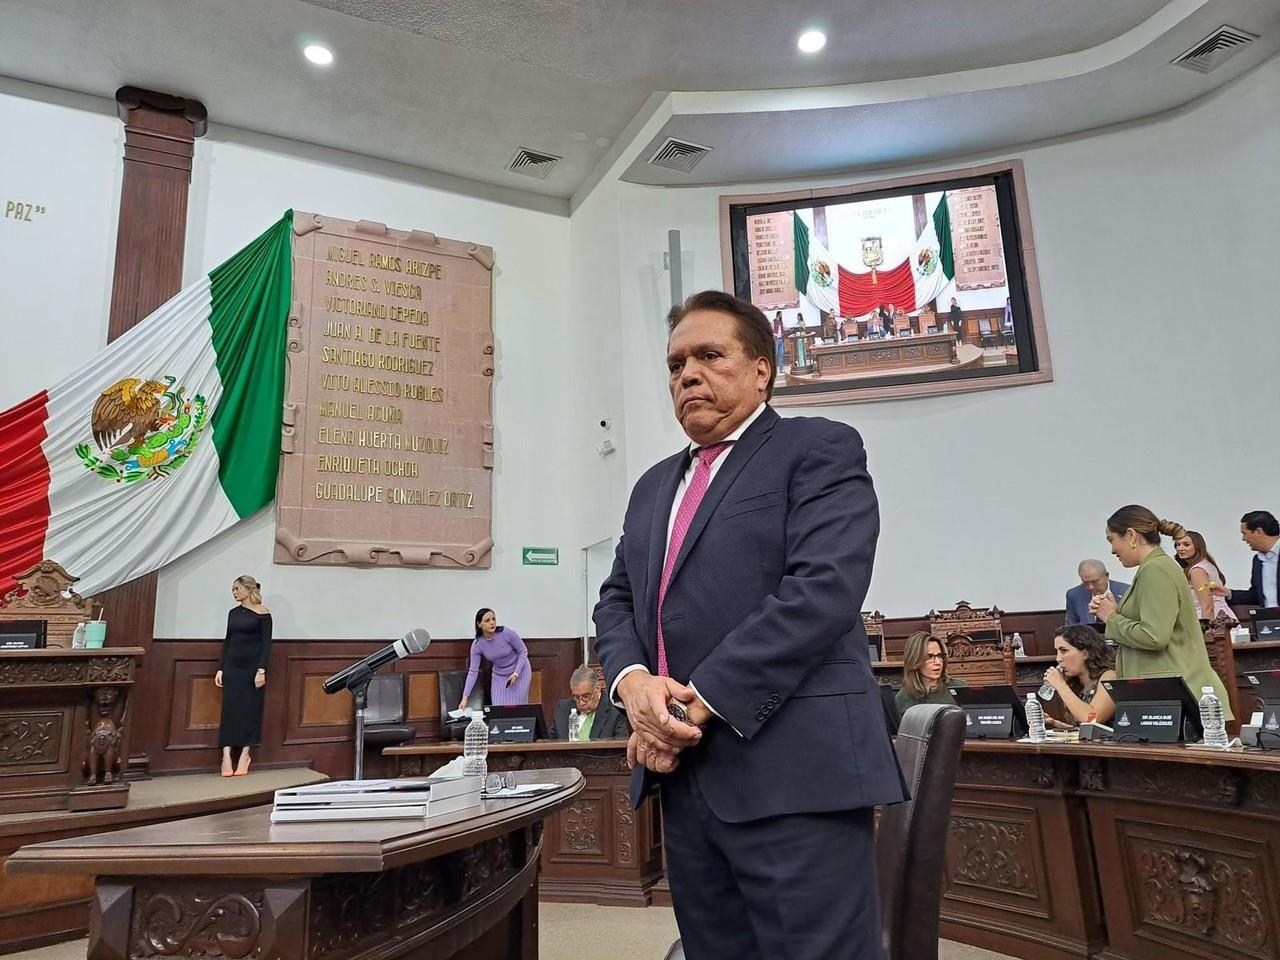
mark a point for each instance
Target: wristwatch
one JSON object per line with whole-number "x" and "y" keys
{"x": 677, "y": 710}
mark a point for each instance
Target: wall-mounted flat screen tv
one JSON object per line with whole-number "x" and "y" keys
{"x": 893, "y": 289}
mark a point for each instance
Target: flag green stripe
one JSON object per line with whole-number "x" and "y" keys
{"x": 801, "y": 235}
{"x": 942, "y": 230}
{"x": 250, "y": 296}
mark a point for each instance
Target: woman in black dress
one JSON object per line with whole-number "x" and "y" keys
{"x": 243, "y": 674}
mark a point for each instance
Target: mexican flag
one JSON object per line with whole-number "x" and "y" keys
{"x": 815, "y": 272}
{"x": 167, "y": 437}
{"x": 933, "y": 264}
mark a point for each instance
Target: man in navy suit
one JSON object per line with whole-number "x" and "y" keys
{"x": 1261, "y": 532}
{"x": 735, "y": 600}
{"x": 1094, "y": 582}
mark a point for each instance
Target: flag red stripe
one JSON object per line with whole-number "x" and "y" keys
{"x": 24, "y": 488}
{"x": 858, "y": 295}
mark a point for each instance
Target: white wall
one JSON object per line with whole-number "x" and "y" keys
{"x": 240, "y": 184}
{"x": 1155, "y": 244}
{"x": 548, "y": 482}
{"x": 61, "y": 151}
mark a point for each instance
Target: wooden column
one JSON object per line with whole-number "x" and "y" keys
{"x": 159, "y": 141}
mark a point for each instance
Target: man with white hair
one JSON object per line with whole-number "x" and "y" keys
{"x": 1094, "y": 582}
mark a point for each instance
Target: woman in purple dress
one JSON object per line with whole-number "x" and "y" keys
{"x": 508, "y": 659}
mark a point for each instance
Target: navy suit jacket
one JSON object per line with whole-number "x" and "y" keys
{"x": 1078, "y": 598}
{"x": 762, "y": 614}
{"x": 1253, "y": 597}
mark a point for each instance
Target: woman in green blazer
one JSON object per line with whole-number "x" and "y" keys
{"x": 1155, "y": 626}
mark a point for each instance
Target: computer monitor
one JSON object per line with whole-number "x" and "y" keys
{"x": 1265, "y": 623}
{"x": 992, "y": 712}
{"x": 519, "y": 723}
{"x": 1155, "y": 709}
{"x": 23, "y": 634}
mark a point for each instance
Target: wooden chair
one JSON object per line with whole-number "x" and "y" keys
{"x": 977, "y": 651}
{"x": 1222, "y": 657}
{"x": 44, "y": 593}
{"x": 874, "y": 625}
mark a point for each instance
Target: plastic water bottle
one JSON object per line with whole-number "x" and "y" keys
{"x": 1047, "y": 690}
{"x": 575, "y": 723}
{"x": 475, "y": 748}
{"x": 1018, "y": 650}
{"x": 1215, "y": 728}
{"x": 1035, "y": 720}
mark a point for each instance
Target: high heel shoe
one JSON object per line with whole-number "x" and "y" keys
{"x": 245, "y": 771}
{"x": 228, "y": 770}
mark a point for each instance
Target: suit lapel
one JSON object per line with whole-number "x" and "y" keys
{"x": 739, "y": 456}
{"x": 658, "y": 528}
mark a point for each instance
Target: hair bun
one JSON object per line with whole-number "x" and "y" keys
{"x": 1171, "y": 529}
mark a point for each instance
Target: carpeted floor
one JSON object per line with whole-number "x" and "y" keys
{"x": 571, "y": 931}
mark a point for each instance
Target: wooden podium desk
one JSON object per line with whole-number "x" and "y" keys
{"x": 235, "y": 885}
{"x": 597, "y": 849}
{"x": 1115, "y": 852}
{"x": 65, "y": 721}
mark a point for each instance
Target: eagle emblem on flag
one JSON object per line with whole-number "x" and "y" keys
{"x": 142, "y": 429}
{"x": 926, "y": 262}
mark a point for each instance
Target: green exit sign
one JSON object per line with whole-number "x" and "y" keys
{"x": 540, "y": 556}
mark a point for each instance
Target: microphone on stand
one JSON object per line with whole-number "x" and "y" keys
{"x": 357, "y": 677}
{"x": 415, "y": 641}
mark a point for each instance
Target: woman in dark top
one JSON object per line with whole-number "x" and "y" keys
{"x": 924, "y": 673}
{"x": 243, "y": 674}
{"x": 1084, "y": 661}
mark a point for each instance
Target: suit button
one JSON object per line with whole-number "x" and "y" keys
{"x": 759, "y": 714}
{"x": 773, "y": 699}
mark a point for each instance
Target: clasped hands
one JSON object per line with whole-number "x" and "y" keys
{"x": 1103, "y": 606}
{"x": 657, "y": 737}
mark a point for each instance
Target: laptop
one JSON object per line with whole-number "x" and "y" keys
{"x": 518, "y": 723}
{"x": 1140, "y": 690}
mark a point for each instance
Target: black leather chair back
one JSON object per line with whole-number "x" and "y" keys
{"x": 911, "y": 843}
{"x": 451, "y": 683}
{"x": 384, "y": 724}
{"x": 386, "y": 699}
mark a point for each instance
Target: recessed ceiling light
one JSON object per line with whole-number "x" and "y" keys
{"x": 318, "y": 54}
{"x": 811, "y": 41}
{"x": 579, "y": 136}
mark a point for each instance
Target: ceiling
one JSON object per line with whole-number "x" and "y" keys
{"x": 457, "y": 86}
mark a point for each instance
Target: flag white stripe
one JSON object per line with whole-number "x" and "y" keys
{"x": 90, "y": 527}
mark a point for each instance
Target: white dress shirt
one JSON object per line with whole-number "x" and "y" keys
{"x": 671, "y": 522}
{"x": 1269, "y": 560}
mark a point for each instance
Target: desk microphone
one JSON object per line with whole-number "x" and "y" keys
{"x": 415, "y": 641}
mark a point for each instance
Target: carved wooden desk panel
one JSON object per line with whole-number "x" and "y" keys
{"x": 234, "y": 885}
{"x": 598, "y": 849}
{"x": 64, "y": 728}
{"x": 1116, "y": 852}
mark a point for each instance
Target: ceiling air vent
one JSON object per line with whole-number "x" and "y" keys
{"x": 1215, "y": 49}
{"x": 533, "y": 163}
{"x": 678, "y": 155}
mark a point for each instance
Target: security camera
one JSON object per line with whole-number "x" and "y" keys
{"x": 606, "y": 423}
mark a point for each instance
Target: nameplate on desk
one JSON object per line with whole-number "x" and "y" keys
{"x": 511, "y": 730}
{"x": 1151, "y": 721}
{"x": 988, "y": 723}
{"x": 20, "y": 641}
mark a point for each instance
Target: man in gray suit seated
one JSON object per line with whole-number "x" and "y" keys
{"x": 601, "y": 720}
{"x": 1094, "y": 582}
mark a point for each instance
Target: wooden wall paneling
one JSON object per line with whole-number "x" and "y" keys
{"x": 159, "y": 143}
{"x": 301, "y": 724}
{"x": 1194, "y": 890}
{"x": 1017, "y": 846}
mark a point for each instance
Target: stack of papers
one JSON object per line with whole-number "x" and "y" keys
{"x": 405, "y": 798}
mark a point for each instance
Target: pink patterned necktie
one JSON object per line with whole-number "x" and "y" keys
{"x": 684, "y": 517}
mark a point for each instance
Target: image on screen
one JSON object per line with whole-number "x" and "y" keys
{"x": 923, "y": 285}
